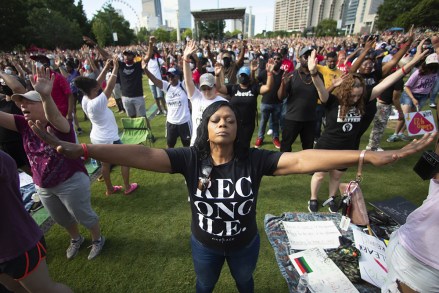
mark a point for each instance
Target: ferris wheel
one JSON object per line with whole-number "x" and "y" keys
{"x": 127, "y": 5}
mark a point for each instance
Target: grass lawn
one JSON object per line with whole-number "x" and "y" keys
{"x": 147, "y": 248}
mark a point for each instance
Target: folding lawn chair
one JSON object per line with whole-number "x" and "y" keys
{"x": 136, "y": 131}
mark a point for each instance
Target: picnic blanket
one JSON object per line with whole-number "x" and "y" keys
{"x": 279, "y": 241}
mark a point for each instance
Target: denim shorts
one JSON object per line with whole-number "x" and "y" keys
{"x": 405, "y": 99}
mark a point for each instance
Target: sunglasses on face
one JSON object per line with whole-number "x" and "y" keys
{"x": 276, "y": 58}
{"x": 171, "y": 76}
{"x": 205, "y": 88}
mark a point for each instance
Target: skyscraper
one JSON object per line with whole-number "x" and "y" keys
{"x": 185, "y": 16}
{"x": 152, "y": 14}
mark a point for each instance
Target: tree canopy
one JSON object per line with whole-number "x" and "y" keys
{"x": 212, "y": 29}
{"x": 397, "y": 13}
{"x": 326, "y": 27}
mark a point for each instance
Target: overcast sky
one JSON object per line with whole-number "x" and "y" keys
{"x": 262, "y": 9}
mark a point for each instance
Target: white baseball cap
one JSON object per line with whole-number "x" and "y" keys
{"x": 31, "y": 95}
{"x": 207, "y": 79}
{"x": 432, "y": 58}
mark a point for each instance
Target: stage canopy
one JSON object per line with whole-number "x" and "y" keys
{"x": 217, "y": 14}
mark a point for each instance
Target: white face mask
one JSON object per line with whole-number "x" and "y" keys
{"x": 191, "y": 66}
{"x": 8, "y": 71}
{"x": 39, "y": 65}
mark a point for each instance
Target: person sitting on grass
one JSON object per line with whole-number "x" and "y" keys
{"x": 62, "y": 184}
{"x": 223, "y": 178}
{"x": 23, "y": 266}
{"x": 104, "y": 127}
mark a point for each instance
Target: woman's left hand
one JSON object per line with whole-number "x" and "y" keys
{"x": 387, "y": 157}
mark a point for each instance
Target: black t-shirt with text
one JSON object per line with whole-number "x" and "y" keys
{"x": 224, "y": 215}
{"x": 245, "y": 101}
{"x": 339, "y": 134}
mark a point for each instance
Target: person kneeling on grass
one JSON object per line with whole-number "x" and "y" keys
{"x": 23, "y": 266}
{"x": 223, "y": 179}
{"x": 104, "y": 127}
{"x": 62, "y": 184}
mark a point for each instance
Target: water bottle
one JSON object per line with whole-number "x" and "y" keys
{"x": 302, "y": 286}
{"x": 94, "y": 163}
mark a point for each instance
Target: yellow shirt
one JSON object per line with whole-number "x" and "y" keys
{"x": 328, "y": 75}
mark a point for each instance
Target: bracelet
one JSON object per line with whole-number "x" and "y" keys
{"x": 84, "y": 148}
{"x": 270, "y": 74}
{"x": 403, "y": 70}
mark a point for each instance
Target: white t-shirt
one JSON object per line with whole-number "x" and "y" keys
{"x": 199, "y": 104}
{"x": 154, "y": 68}
{"x": 177, "y": 103}
{"x": 104, "y": 127}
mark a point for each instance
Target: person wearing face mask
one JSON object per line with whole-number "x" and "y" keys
{"x": 200, "y": 98}
{"x": 130, "y": 74}
{"x": 301, "y": 95}
{"x": 61, "y": 92}
{"x": 244, "y": 95}
{"x": 230, "y": 67}
{"x": 178, "y": 120}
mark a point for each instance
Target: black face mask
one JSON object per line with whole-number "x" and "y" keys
{"x": 243, "y": 79}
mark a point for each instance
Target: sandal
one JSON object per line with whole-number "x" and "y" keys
{"x": 133, "y": 186}
{"x": 116, "y": 188}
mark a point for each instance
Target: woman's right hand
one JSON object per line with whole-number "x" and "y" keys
{"x": 70, "y": 150}
{"x": 312, "y": 62}
{"x": 191, "y": 47}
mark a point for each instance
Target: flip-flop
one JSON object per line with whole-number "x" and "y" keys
{"x": 116, "y": 188}
{"x": 133, "y": 186}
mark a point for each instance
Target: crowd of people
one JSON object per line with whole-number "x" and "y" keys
{"x": 208, "y": 91}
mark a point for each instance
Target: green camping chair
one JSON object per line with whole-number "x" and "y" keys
{"x": 136, "y": 131}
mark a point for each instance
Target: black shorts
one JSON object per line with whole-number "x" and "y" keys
{"x": 173, "y": 131}
{"x": 23, "y": 265}
{"x": 321, "y": 145}
{"x": 16, "y": 151}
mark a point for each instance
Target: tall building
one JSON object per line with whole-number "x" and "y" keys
{"x": 355, "y": 16}
{"x": 152, "y": 17}
{"x": 237, "y": 25}
{"x": 185, "y": 16}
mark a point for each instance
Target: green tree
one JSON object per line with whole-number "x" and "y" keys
{"x": 428, "y": 9}
{"x": 187, "y": 33}
{"x": 13, "y": 22}
{"x": 143, "y": 35}
{"x": 326, "y": 27}
{"x": 212, "y": 29}
{"x": 390, "y": 10}
{"x": 51, "y": 29}
{"x": 115, "y": 24}
{"x": 161, "y": 35}
{"x": 173, "y": 36}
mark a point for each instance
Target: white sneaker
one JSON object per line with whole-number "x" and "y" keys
{"x": 74, "y": 246}
{"x": 270, "y": 132}
{"x": 96, "y": 248}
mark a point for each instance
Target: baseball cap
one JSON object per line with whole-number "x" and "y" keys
{"x": 174, "y": 71}
{"x": 207, "y": 79}
{"x": 226, "y": 55}
{"x": 40, "y": 58}
{"x": 244, "y": 70}
{"x": 432, "y": 58}
{"x": 305, "y": 50}
{"x": 31, "y": 96}
{"x": 128, "y": 52}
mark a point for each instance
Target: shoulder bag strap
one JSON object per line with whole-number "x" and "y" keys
{"x": 360, "y": 166}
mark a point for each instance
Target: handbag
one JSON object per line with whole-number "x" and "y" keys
{"x": 353, "y": 205}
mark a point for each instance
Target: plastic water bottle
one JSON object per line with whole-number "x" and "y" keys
{"x": 94, "y": 163}
{"x": 302, "y": 286}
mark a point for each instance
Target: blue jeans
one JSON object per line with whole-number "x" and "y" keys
{"x": 405, "y": 99}
{"x": 283, "y": 111}
{"x": 209, "y": 262}
{"x": 266, "y": 110}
